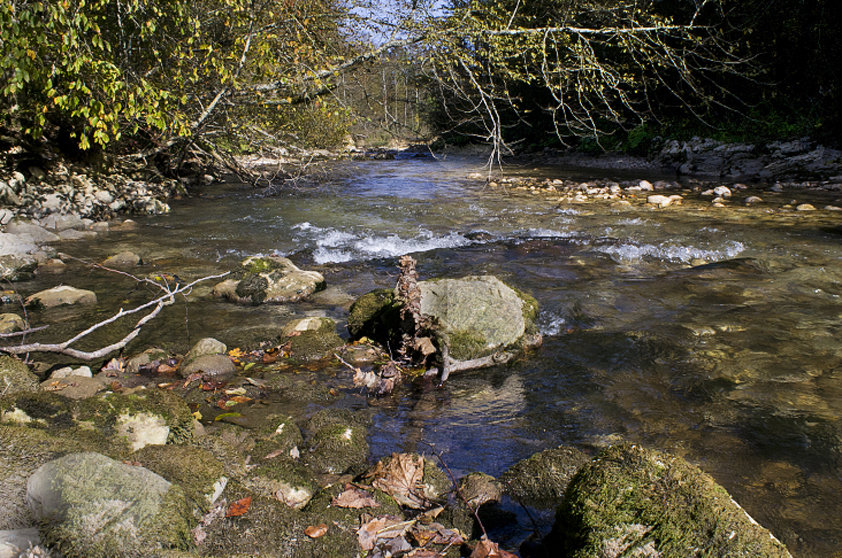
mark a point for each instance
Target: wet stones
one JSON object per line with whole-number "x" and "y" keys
{"x": 61, "y": 296}
{"x": 272, "y": 279}
{"x": 541, "y": 479}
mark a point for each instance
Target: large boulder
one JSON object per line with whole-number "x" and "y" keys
{"x": 271, "y": 279}
{"x": 541, "y": 479}
{"x": 630, "y": 501}
{"x": 90, "y": 505}
{"x": 476, "y": 321}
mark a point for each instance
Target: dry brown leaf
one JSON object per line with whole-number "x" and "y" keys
{"x": 316, "y": 531}
{"x": 166, "y": 369}
{"x": 487, "y": 549}
{"x": 435, "y": 533}
{"x": 383, "y": 527}
{"x": 239, "y": 507}
{"x": 355, "y": 498}
{"x": 423, "y": 553}
{"x": 400, "y": 477}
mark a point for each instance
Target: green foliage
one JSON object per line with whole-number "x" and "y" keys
{"x": 97, "y": 71}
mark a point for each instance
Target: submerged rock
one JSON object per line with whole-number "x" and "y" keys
{"x": 630, "y": 501}
{"x": 62, "y": 295}
{"x": 11, "y": 322}
{"x": 311, "y": 338}
{"x": 90, "y": 505}
{"x": 337, "y": 442}
{"x": 271, "y": 279}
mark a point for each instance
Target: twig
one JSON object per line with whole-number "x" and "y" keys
{"x": 156, "y": 304}
{"x": 23, "y": 332}
{"x": 474, "y": 511}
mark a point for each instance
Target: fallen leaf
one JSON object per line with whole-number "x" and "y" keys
{"x": 487, "y": 549}
{"x": 236, "y": 352}
{"x": 435, "y": 533}
{"x": 274, "y": 454}
{"x": 316, "y": 531}
{"x": 269, "y": 358}
{"x": 192, "y": 378}
{"x": 383, "y": 527}
{"x": 355, "y": 498}
{"x": 400, "y": 477}
{"x": 116, "y": 386}
{"x": 423, "y": 553}
{"x": 248, "y": 366}
{"x": 166, "y": 369}
{"x": 240, "y": 399}
{"x": 227, "y": 415}
{"x": 239, "y": 507}
{"x": 235, "y": 391}
{"x": 114, "y": 365}
{"x": 197, "y": 415}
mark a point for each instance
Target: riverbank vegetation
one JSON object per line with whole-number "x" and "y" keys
{"x": 103, "y": 80}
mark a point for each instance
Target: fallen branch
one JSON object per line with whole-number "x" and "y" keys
{"x": 156, "y": 305}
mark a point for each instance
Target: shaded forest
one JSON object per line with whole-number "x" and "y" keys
{"x": 152, "y": 81}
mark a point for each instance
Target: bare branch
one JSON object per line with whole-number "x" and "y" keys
{"x": 156, "y": 306}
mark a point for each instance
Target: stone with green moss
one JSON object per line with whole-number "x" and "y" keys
{"x": 338, "y": 442}
{"x": 145, "y": 417}
{"x": 320, "y": 340}
{"x": 15, "y": 377}
{"x": 376, "y": 315}
{"x": 630, "y": 501}
{"x": 541, "y": 479}
{"x": 271, "y": 279}
{"x": 89, "y": 506}
{"x": 195, "y": 470}
{"x": 284, "y": 479}
{"x": 22, "y": 450}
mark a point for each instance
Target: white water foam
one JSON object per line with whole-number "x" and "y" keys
{"x": 335, "y": 246}
{"x": 550, "y": 324}
{"x": 629, "y": 253}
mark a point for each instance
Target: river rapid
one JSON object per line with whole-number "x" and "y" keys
{"x": 713, "y": 334}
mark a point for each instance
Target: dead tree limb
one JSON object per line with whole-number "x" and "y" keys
{"x": 152, "y": 309}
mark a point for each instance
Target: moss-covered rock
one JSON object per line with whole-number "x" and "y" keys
{"x": 92, "y": 506}
{"x": 337, "y": 442}
{"x": 316, "y": 342}
{"x": 15, "y": 377}
{"x": 376, "y": 315}
{"x": 630, "y": 501}
{"x": 271, "y": 279}
{"x": 22, "y": 450}
{"x": 129, "y": 416}
{"x": 195, "y": 470}
{"x": 284, "y": 479}
{"x": 11, "y": 322}
{"x": 541, "y": 479}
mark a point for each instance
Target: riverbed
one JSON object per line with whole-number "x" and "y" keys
{"x": 713, "y": 334}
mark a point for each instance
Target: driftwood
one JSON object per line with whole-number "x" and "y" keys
{"x": 149, "y": 309}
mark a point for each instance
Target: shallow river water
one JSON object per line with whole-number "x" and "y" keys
{"x": 713, "y": 334}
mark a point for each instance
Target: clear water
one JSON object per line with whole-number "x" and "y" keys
{"x": 734, "y": 362}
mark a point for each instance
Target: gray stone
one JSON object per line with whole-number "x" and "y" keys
{"x": 73, "y": 234}
{"x": 60, "y": 223}
{"x": 91, "y": 505}
{"x": 82, "y": 371}
{"x": 35, "y": 232}
{"x": 122, "y": 260}
{"x": 210, "y": 365}
{"x": 11, "y": 322}
{"x": 301, "y": 325}
{"x": 271, "y": 279}
{"x": 14, "y": 543}
{"x": 206, "y": 346}
{"x": 62, "y": 295}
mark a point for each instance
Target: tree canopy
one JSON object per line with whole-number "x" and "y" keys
{"x": 146, "y": 76}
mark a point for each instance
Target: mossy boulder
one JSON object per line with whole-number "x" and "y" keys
{"x": 311, "y": 339}
{"x": 15, "y": 376}
{"x": 271, "y": 279}
{"x": 376, "y": 315}
{"x": 630, "y": 501}
{"x": 476, "y": 321}
{"x": 22, "y": 450}
{"x": 541, "y": 479}
{"x": 11, "y": 322}
{"x": 195, "y": 470}
{"x": 337, "y": 442}
{"x": 283, "y": 479}
{"x": 89, "y": 505}
{"x": 145, "y": 417}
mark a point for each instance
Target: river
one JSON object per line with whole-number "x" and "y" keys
{"x": 711, "y": 334}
